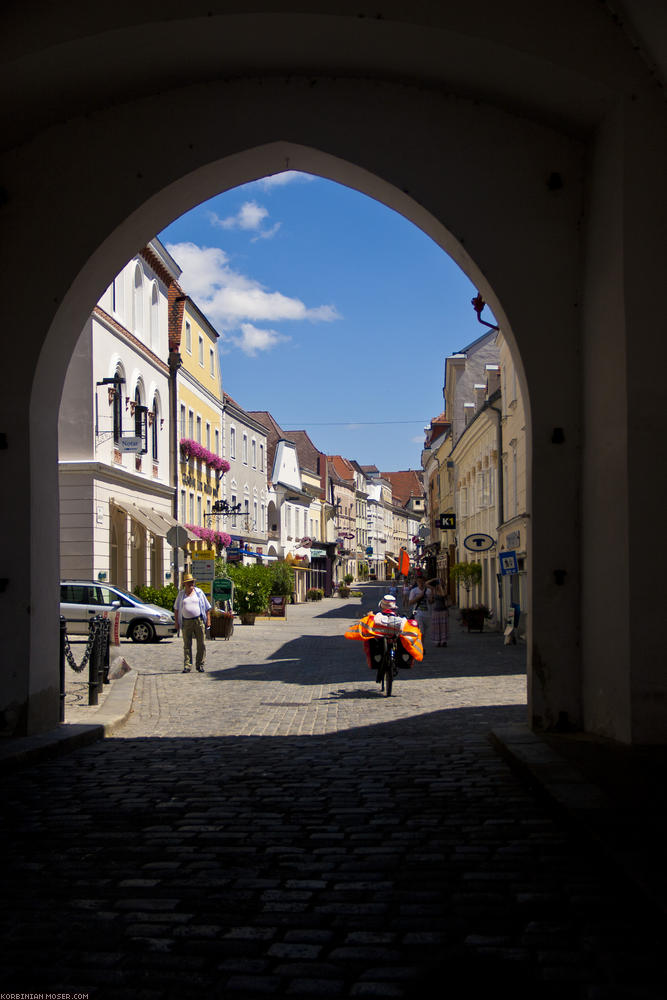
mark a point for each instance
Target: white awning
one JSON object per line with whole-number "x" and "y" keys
{"x": 157, "y": 522}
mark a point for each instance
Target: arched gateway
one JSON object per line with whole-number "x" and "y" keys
{"x": 533, "y": 153}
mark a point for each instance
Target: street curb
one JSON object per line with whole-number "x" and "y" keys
{"x": 94, "y": 724}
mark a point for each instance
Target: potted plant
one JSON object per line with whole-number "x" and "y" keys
{"x": 475, "y": 616}
{"x": 252, "y": 587}
{"x": 282, "y": 586}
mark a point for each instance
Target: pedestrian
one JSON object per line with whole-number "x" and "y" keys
{"x": 418, "y": 602}
{"x": 439, "y": 613}
{"x": 192, "y": 613}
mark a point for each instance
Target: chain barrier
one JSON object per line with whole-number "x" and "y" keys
{"x": 93, "y": 628}
{"x": 96, "y": 655}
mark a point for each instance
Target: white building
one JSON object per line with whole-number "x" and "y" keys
{"x": 245, "y": 484}
{"x": 116, "y": 496}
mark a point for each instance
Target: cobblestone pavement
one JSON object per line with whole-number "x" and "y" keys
{"x": 276, "y": 827}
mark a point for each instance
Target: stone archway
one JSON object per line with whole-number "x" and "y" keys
{"x": 536, "y": 162}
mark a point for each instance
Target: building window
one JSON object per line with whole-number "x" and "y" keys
{"x": 199, "y": 517}
{"x": 232, "y": 442}
{"x": 217, "y": 441}
{"x": 191, "y": 424}
{"x": 192, "y": 508}
{"x": 182, "y": 510}
{"x": 137, "y": 301}
{"x": 208, "y": 435}
{"x": 245, "y": 449}
{"x": 188, "y": 337}
{"x": 201, "y": 351}
{"x": 182, "y": 421}
{"x": 261, "y": 458}
{"x": 154, "y": 317}
{"x": 254, "y": 454}
{"x": 155, "y": 435}
{"x": 233, "y": 504}
{"x": 211, "y": 356}
{"x": 254, "y": 514}
{"x": 198, "y": 429}
{"x": 118, "y": 406}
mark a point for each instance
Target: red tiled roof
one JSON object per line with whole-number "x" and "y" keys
{"x": 404, "y": 485}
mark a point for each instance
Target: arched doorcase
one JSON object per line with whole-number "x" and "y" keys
{"x": 551, "y": 198}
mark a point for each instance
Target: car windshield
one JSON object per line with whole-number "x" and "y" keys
{"x": 127, "y": 594}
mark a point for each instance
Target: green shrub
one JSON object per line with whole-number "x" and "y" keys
{"x": 283, "y": 579}
{"x": 252, "y": 587}
{"x": 348, "y": 578}
{"x": 164, "y": 597}
{"x": 343, "y": 591}
{"x": 314, "y": 594}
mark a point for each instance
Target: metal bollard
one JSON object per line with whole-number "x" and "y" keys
{"x": 94, "y": 661}
{"x": 63, "y": 633}
{"x": 106, "y": 650}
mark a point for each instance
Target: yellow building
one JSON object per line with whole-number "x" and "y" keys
{"x": 199, "y": 414}
{"x": 514, "y": 518}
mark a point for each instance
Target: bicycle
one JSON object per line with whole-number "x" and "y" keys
{"x": 388, "y": 668}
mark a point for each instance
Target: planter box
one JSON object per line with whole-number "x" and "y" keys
{"x": 222, "y": 625}
{"x": 473, "y": 618}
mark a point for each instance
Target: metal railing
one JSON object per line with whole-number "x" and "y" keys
{"x": 95, "y": 656}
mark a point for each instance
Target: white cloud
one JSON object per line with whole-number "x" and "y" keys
{"x": 285, "y": 177}
{"x": 249, "y": 216}
{"x": 233, "y": 301}
{"x": 253, "y": 340}
{"x": 267, "y": 234}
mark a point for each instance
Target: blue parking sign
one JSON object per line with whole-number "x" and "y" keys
{"x": 508, "y": 563}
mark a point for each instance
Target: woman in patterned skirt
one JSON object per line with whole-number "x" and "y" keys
{"x": 439, "y": 613}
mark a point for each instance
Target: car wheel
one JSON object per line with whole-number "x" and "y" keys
{"x": 141, "y": 631}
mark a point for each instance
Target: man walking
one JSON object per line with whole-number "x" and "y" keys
{"x": 192, "y": 613}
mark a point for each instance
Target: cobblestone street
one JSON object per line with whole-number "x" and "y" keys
{"x": 276, "y": 827}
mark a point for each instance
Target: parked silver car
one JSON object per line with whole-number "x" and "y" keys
{"x": 81, "y": 599}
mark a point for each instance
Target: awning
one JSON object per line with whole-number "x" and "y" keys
{"x": 157, "y": 522}
{"x": 170, "y": 522}
{"x": 390, "y": 559}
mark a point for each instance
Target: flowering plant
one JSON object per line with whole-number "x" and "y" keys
{"x": 219, "y": 539}
{"x": 194, "y": 449}
{"x": 252, "y": 586}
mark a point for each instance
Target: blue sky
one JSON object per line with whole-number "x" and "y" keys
{"x": 335, "y": 313}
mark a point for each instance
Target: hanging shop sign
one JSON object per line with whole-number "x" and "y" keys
{"x": 131, "y": 443}
{"x": 447, "y": 522}
{"x": 479, "y": 542}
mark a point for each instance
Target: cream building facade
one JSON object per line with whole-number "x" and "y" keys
{"x": 116, "y": 495}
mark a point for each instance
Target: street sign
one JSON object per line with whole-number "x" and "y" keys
{"x": 177, "y": 536}
{"x": 447, "y": 522}
{"x": 479, "y": 542}
{"x": 508, "y": 563}
{"x": 203, "y": 566}
{"x": 222, "y": 589}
